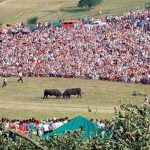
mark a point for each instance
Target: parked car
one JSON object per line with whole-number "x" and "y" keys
{"x": 98, "y": 23}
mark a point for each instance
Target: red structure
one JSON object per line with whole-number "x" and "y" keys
{"x": 71, "y": 23}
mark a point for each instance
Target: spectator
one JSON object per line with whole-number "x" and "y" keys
{"x": 40, "y": 128}
{"x": 118, "y": 52}
{"x": 46, "y": 128}
{"x": 22, "y": 128}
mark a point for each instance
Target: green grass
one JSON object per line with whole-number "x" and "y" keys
{"x": 12, "y": 11}
{"x": 19, "y": 100}
{"x": 44, "y": 114}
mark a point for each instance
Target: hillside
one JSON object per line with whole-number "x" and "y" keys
{"x": 12, "y": 11}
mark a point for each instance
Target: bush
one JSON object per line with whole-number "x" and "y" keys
{"x": 137, "y": 93}
{"x": 1, "y": 24}
{"x": 32, "y": 20}
{"x": 130, "y": 128}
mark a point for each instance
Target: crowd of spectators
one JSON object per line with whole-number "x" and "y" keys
{"x": 38, "y": 127}
{"x": 42, "y": 127}
{"x": 118, "y": 51}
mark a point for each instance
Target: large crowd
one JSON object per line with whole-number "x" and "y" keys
{"x": 42, "y": 127}
{"x": 117, "y": 51}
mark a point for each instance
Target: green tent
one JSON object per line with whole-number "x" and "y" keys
{"x": 79, "y": 122}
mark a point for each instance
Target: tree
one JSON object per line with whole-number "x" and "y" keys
{"x": 88, "y": 3}
{"x": 130, "y": 128}
{"x": 32, "y": 20}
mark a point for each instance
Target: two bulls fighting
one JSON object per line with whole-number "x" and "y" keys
{"x": 66, "y": 94}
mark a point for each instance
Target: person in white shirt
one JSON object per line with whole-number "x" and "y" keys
{"x": 20, "y": 77}
{"x": 46, "y": 128}
{"x": 40, "y": 129}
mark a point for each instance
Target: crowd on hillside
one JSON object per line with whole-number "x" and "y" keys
{"x": 118, "y": 51}
{"x": 42, "y": 127}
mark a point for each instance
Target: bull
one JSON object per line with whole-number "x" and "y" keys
{"x": 74, "y": 91}
{"x": 52, "y": 92}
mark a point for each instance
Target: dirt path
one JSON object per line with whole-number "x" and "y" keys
{"x": 61, "y": 107}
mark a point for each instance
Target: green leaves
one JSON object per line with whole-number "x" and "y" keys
{"x": 131, "y": 126}
{"x": 32, "y": 20}
{"x": 88, "y": 3}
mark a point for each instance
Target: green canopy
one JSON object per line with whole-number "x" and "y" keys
{"x": 79, "y": 122}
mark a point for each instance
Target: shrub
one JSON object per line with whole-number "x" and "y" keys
{"x": 32, "y": 20}
{"x": 130, "y": 128}
{"x": 1, "y": 24}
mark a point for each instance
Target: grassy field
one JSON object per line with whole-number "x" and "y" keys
{"x": 24, "y": 100}
{"x": 12, "y": 11}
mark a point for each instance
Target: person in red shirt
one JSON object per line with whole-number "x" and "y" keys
{"x": 22, "y": 128}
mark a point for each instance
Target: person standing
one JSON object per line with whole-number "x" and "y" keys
{"x": 46, "y": 128}
{"x": 4, "y": 82}
{"x": 20, "y": 77}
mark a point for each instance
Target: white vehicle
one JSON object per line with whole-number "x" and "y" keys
{"x": 98, "y": 23}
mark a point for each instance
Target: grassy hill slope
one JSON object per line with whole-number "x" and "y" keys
{"x": 19, "y": 100}
{"x": 12, "y": 11}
